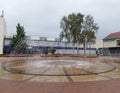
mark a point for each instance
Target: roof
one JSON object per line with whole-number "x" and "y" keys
{"x": 112, "y": 35}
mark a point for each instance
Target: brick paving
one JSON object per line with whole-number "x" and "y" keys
{"x": 102, "y": 86}
{"x": 105, "y": 86}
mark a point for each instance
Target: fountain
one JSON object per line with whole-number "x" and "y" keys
{"x": 60, "y": 66}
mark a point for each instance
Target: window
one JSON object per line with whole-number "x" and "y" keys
{"x": 118, "y": 42}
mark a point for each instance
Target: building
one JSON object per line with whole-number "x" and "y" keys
{"x": 37, "y": 44}
{"x": 2, "y": 32}
{"x": 111, "y": 44}
{"x": 98, "y": 44}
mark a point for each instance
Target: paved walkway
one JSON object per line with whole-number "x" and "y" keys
{"x": 108, "y": 86}
{"x": 109, "y": 83}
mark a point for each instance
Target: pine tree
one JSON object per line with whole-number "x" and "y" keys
{"x": 16, "y": 43}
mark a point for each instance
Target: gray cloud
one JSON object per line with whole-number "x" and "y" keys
{"x": 42, "y": 17}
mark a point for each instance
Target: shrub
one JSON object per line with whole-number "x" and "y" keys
{"x": 52, "y": 50}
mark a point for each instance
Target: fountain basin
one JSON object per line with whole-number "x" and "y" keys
{"x": 58, "y": 67}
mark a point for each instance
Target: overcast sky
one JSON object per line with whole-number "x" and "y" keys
{"x": 42, "y": 17}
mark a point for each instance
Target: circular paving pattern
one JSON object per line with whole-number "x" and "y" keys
{"x": 58, "y": 67}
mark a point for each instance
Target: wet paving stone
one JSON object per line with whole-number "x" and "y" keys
{"x": 60, "y": 70}
{"x": 51, "y": 82}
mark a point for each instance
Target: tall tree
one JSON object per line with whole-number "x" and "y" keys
{"x": 18, "y": 38}
{"x": 89, "y": 29}
{"x": 78, "y": 29}
{"x": 71, "y": 27}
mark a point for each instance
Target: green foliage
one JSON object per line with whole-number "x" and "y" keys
{"x": 52, "y": 50}
{"x": 20, "y": 36}
{"x": 75, "y": 28}
{"x": 71, "y": 27}
{"x": 89, "y": 28}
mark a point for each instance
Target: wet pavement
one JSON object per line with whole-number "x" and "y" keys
{"x": 58, "y": 67}
{"x": 93, "y": 75}
{"x": 64, "y": 69}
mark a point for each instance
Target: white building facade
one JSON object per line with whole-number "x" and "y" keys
{"x": 111, "y": 44}
{"x": 2, "y": 32}
{"x": 38, "y": 44}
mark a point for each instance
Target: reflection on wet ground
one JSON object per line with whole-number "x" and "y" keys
{"x": 64, "y": 69}
{"x": 58, "y": 67}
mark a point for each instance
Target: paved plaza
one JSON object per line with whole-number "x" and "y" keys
{"x": 59, "y": 75}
